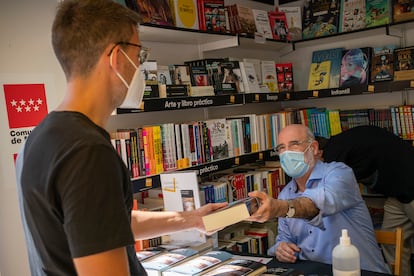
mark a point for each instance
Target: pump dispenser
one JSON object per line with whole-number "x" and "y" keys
{"x": 345, "y": 257}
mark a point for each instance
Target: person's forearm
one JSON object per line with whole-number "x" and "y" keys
{"x": 147, "y": 224}
{"x": 304, "y": 208}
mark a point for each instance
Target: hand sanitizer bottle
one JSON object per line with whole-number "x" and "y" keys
{"x": 345, "y": 257}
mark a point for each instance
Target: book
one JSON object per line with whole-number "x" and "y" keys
{"x": 320, "y": 18}
{"x": 180, "y": 74}
{"x": 239, "y": 267}
{"x": 181, "y": 193}
{"x": 382, "y": 65}
{"x": 149, "y": 252}
{"x": 294, "y": 20}
{"x": 230, "y": 77}
{"x": 163, "y": 74}
{"x": 404, "y": 63}
{"x": 155, "y": 12}
{"x": 402, "y": 10}
{"x": 157, "y": 265}
{"x": 284, "y": 74}
{"x": 149, "y": 69}
{"x": 269, "y": 77}
{"x": 217, "y": 129}
{"x": 378, "y": 13}
{"x": 185, "y": 13}
{"x": 249, "y": 77}
{"x": 211, "y": 15}
{"x": 200, "y": 264}
{"x": 355, "y": 69}
{"x": 283, "y": 271}
{"x": 243, "y": 19}
{"x": 335, "y": 56}
{"x": 262, "y": 23}
{"x": 319, "y": 75}
{"x": 235, "y": 212}
{"x": 352, "y": 15}
{"x": 279, "y": 25}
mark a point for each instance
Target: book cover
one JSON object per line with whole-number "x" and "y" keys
{"x": 294, "y": 21}
{"x": 149, "y": 69}
{"x": 404, "y": 63}
{"x": 279, "y": 26}
{"x": 319, "y": 75}
{"x": 212, "y": 16}
{"x": 185, "y": 13}
{"x": 200, "y": 264}
{"x": 239, "y": 267}
{"x": 249, "y": 76}
{"x": 158, "y": 264}
{"x": 378, "y": 12}
{"x": 163, "y": 74}
{"x": 284, "y": 73}
{"x": 149, "y": 252}
{"x": 382, "y": 65}
{"x": 352, "y": 15}
{"x": 181, "y": 193}
{"x": 269, "y": 77}
{"x": 320, "y": 18}
{"x": 355, "y": 67}
{"x": 230, "y": 77}
{"x": 219, "y": 144}
{"x": 402, "y": 10}
{"x": 262, "y": 23}
{"x": 245, "y": 22}
{"x": 155, "y": 11}
{"x": 335, "y": 56}
{"x": 180, "y": 74}
{"x": 235, "y": 212}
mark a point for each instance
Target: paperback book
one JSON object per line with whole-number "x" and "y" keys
{"x": 279, "y": 25}
{"x": 185, "y": 13}
{"x": 378, "y": 13}
{"x": 200, "y": 264}
{"x": 262, "y": 23}
{"x": 353, "y": 15}
{"x": 355, "y": 69}
{"x": 294, "y": 20}
{"x": 382, "y": 65}
{"x": 334, "y": 56}
{"x": 239, "y": 267}
{"x": 284, "y": 73}
{"x": 235, "y": 212}
{"x": 320, "y": 18}
{"x": 402, "y": 10}
{"x": 157, "y": 265}
{"x": 319, "y": 75}
{"x": 404, "y": 64}
{"x": 155, "y": 11}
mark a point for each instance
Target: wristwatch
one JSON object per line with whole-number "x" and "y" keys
{"x": 291, "y": 209}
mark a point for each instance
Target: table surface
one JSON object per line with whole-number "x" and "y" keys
{"x": 310, "y": 268}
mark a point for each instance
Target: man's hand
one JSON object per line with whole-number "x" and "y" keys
{"x": 266, "y": 209}
{"x": 204, "y": 210}
{"x": 287, "y": 252}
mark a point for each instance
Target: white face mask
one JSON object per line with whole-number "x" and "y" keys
{"x": 136, "y": 88}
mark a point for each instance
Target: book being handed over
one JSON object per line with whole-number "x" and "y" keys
{"x": 235, "y": 212}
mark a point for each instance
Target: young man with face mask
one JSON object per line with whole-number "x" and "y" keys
{"x": 75, "y": 192}
{"x": 319, "y": 201}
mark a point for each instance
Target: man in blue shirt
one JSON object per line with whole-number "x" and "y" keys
{"x": 319, "y": 201}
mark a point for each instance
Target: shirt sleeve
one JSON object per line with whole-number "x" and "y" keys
{"x": 336, "y": 191}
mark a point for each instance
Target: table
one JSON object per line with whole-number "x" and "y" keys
{"x": 310, "y": 268}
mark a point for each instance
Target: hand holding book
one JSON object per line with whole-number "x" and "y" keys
{"x": 235, "y": 212}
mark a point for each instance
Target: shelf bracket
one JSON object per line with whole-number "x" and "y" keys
{"x": 220, "y": 44}
{"x": 388, "y": 32}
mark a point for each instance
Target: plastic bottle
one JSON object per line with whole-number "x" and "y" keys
{"x": 345, "y": 257}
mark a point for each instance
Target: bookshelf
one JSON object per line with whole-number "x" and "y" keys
{"x": 171, "y": 45}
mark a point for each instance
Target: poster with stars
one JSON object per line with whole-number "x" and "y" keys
{"x": 26, "y": 104}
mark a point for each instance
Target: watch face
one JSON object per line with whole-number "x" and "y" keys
{"x": 291, "y": 211}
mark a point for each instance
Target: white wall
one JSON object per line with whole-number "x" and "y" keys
{"x": 26, "y": 56}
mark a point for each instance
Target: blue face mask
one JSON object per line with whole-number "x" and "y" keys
{"x": 293, "y": 163}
